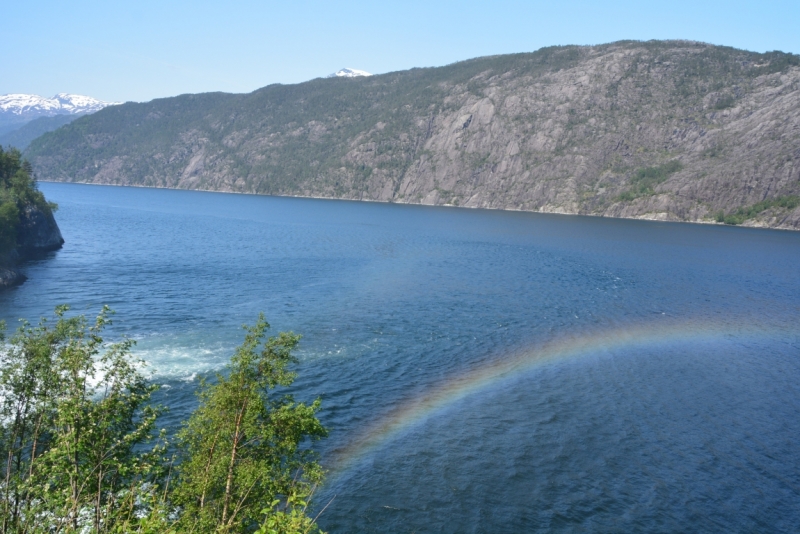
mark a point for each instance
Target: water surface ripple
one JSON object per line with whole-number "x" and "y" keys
{"x": 481, "y": 371}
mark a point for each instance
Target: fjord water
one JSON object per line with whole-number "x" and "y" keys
{"x": 480, "y": 371}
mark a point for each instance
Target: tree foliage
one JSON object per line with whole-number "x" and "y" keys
{"x": 241, "y": 455}
{"x": 73, "y": 414}
{"x": 80, "y": 451}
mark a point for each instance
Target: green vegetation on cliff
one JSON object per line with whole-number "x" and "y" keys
{"x": 743, "y": 214}
{"x": 81, "y": 453}
{"x": 18, "y": 190}
{"x": 644, "y": 180}
{"x": 563, "y": 129}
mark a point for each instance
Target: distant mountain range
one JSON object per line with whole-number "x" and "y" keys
{"x": 38, "y": 106}
{"x": 666, "y": 130}
{"x": 17, "y": 110}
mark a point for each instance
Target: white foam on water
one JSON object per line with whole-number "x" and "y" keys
{"x": 182, "y": 362}
{"x": 182, "y": 355}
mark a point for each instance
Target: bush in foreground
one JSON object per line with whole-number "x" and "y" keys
{"x": 80, "y": 451}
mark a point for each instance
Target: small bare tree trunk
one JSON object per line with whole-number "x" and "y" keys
{"x": 234, "y": 450}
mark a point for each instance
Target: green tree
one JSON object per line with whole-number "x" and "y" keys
{"x": 74, "y": 413}
{"x": 244, "y": 461}
{"x": 80, "y": 452}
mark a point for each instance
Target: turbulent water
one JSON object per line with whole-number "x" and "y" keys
{"x": 480, "y": 371}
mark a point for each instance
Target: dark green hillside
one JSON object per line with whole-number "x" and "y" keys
{"x": 23, "y": 136}
{"x": 564, "y": 129}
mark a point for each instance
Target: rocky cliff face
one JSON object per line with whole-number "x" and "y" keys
{"x": 38, "y": 234}
{"x": 10, "y": 277}
{"x": 675, "y": 131}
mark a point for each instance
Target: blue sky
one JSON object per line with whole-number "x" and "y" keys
{"x": 123, "y": 50}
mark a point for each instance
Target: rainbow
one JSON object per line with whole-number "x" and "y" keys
{"x": 498, "y": 372}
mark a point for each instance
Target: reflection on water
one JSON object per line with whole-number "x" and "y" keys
{"x": 426, "y": 331}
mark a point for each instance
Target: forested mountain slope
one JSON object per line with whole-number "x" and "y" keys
{"x": 668, "y": 130}
{"x": 22, "y": 136}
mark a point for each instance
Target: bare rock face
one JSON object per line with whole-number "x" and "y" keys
{"x": 562, "y": 130}
{"x": 10, "y": 278}
{"x": 38, "y": 233}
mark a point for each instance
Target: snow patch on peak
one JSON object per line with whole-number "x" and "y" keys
{"x": 61, "y": 104}
{"x": 349, "y": 73}
{"x": 81, "y": 103}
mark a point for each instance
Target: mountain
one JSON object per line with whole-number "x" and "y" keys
{"x": 16, "y": 110}
{"x": 62, "y": 103}
{"x": 348, "y": 73}
{"x": 22, "y": 136}
{"x": 668, "y": 130}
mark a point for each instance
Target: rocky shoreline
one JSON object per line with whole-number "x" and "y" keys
{"x": 11, "y": 278}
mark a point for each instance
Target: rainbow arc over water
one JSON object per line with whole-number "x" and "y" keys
{"x": 500, "y": 371}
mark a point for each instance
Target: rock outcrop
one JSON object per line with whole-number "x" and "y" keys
{"x": 10, "y": 277}
{"x": 38, "y": 234}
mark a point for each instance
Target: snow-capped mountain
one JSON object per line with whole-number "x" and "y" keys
{"x": 17, "y": 110}
{"x": 61, "y": 104}
{"x": 349, "y": 73}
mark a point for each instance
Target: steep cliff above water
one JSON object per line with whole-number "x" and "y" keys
{"x": 667, "y": 130}
{"x": 38, "y": 234}
{"x": 28, "y": 228}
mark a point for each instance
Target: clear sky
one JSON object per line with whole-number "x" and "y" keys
{"x": 122, "y": 50}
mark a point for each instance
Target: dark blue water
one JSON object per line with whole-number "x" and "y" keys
{"x": 689, "y": 434}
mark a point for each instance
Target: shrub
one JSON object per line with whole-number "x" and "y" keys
{"x": 80, "y": 452}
